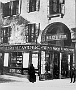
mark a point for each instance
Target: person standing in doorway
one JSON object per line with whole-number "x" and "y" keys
{"x": 31, "y": 73}
{"x": 72, "y": 73}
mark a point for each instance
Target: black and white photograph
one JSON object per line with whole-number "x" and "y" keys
{"x": 37, "y": 44}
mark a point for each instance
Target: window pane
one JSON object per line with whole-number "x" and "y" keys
{"x": 5, "y": 40}
{"x": 15, "y": 7}
{"x": 6, "y": 10}
{"x": 33, "y": 5}
{"x": 54, "y": 6}
{"x": 6, "y": 33}
{"x": 32, "y": 31}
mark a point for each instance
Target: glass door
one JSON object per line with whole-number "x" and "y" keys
{"x": 48, "y": 65}
{"x": 56, "y": 65}
{"x": 64, "y": 65}
{"x": 35, "y": 60}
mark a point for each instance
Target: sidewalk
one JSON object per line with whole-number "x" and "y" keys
{"x": 22, "y": 83}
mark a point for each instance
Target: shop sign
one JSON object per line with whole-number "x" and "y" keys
{"x": 56, "y": 37}
{"x": 20, "y": 47}
{"x": 65, "y": 49}
{"x": 45, "y": 47}
{"x": 56, "y": 48}
{"x": 37, "y": 47}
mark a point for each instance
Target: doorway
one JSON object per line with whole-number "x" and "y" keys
{"x": 64, "y": 65}
{"x": 56, "y": 63}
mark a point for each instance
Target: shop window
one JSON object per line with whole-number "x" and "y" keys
{"x": 10, "y": 8}
{"x": 35, "y": 60}
{"x": 33, "y": 5}
{"x": 32, "y": 32}
{"x": 56, "y": 8}
{"x": 5, "y": 34}
{"x": 16, "y": 60}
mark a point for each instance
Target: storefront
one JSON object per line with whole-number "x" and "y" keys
{"x": 50, "y": 62}
{"x": 56, "y": 62}
{"x": 16, "y": 58}
{"x": 57, "y": 52}
{"x": 52, "y": 59}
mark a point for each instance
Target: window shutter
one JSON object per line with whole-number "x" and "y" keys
{"x": 26, "y": 30}
{"x": 11, "y": 7}
{"x": 62, "y": 9}
{"x": 37, "y": 29}
{"x": 37, "y": 5}
{"x": 62, "y": 1}
{"x": 50, "y": 6}
{"x": 28, "y": 5}
{"x": 20, "y": 4}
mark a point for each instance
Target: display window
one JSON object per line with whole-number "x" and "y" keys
{"x": 16, "y": 60}
{"x": 35, "y": 60}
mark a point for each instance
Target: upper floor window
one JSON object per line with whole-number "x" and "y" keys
{"x": 5, "y": 34}
{"x": 33, "y": 5}
{"x": 11, "y": 8}
{"x": 32, "y": 32}
{"x": 55, "y": 8}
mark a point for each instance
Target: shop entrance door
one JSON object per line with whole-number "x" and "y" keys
{"x": 35, "y": 60}
{"x": 56, "y": 65}
{"x": 64, "y": 66}
{"x": 48, "y": 65}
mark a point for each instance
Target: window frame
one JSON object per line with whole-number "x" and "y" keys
{"x": 61, "y": 9}
{"x": 32, "y": 32}
{"x": 33, "y": 5}
{"x": 14, "y": 8}
{"x": 5, "y": 38}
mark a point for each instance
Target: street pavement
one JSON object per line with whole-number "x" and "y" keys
{"x": 22, "y": 83}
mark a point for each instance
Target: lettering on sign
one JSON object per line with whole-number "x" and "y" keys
{"x": 67, "y": 49}
{"x": 56, "y": 48}
{"x": 56, "y": 37}
{"x": 37, "y": 47}
{"x": 20, "y": 47}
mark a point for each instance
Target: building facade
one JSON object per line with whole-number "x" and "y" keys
{"x": 38, "y": 32}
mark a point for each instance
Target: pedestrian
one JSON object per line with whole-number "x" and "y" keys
{"x": 1, "y": 65}
{"x": 31, "y": 73}
{"x": 72, "y": 74}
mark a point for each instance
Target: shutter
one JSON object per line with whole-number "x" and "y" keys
{"x": 62, "y": 1}
{"x": 28, "y": 5}
{"x": 50, "y": 7}
{"x": 37, "y": 5}
{"x": 37, "y": 29}
{"x": 20, "y": 4}
{"x": 62, "y": 9}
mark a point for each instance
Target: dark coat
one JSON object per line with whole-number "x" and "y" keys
{"x": 1, "y": 64}
{"x": 73, "y": 72}
{"x": 31, "y": 73}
